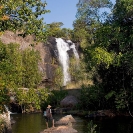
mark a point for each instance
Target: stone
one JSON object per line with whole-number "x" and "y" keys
{"x": 64, "y": 125}
{"x": 69, "y": 101}
{"x": 5, "y": 117}
{"x": 60, "y": 129}
{"x": 66, "y": 120}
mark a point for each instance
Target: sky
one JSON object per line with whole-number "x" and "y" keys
{"x": 62, "y": 11}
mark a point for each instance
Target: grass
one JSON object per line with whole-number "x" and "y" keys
{"x": 79, "y": 84}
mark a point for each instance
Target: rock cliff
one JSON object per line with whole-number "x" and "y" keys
{"x": 48, "y": 52}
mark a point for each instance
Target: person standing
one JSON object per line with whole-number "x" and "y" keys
{"x": 48, "y": 116}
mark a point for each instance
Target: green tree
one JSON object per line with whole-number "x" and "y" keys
{"x": 54, "y": 29}
{"x": 111, "y": 55}
{"x": 31, "y": 76}
{"x": 19, "y": 68}
{"x": 10, "y": 65}
{"x": 31, "y": 99}
{"x": 4, "y": 95}
{"x": 92, "y": 127}
{"x": 89, "y": 19}
{"x": 58, "y": 78}
{"x": 91, "y": 11}
{"x": 24, "y": 16}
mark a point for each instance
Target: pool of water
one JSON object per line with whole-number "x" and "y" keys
{"x": 35, "y": 123}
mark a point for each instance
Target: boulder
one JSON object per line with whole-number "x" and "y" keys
{"x": 6, "y": 123}
{"x": 64, "y": 125}
{"x": 69, "y": 101}
{"x": 102, "y": 113}
{"x": 66, "y": 120}
{"x": 60, "y": 129}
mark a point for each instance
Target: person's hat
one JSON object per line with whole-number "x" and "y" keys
{"x": 49, "y": 106}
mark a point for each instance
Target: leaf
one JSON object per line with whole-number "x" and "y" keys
{"x": 110, "y": 94}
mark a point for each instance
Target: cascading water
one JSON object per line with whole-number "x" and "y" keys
{"x": 74, "y": 50}
{"x": 62, "y": 48}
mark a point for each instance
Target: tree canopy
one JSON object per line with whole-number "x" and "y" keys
{"x": 24, "y": 16}
{"x": 108, "y": 48}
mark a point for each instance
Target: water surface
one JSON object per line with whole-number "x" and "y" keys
{"x": 35, "y": 123}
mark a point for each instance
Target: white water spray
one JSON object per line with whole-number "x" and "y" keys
{"x": 63, "y": 47}
{"x": 74, "y": 49}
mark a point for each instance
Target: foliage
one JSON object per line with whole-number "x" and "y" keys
{"x": 102, "y": 56}
{"x": 31, "y": 76}
{"x": 24, "y": 16}
{"x": 19, "y": 68}
{"x": 91, "y": 98}
{"x": 120, "y": 43}
{"x": 121, "y": 100}
{"x": 3, "y": 17}
{"x": 31, "y": 99}
{"x": 91, "y": 127}
{"x": 107, "y": 48}
{"x": 107, "y": 52}
{"x": 4, "y": 95}
{"x": 54, "y": 29}
{"x": 74, "y": 69}
{"x": 89, "y": 15}
{"x": 80, "y": 31}
{"x": 56, "y": 96}
{"x": 67, "y": 33}
{"x": 10, "y": 64}
{"x": 58, "y": 78}
{"x": 110, "y": 94}
{"x": 90, "y": 11}
{"x": 88, "y": 20}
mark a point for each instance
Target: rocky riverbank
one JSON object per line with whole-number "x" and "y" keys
{"x": 5, "y": 123}
{"x": 60, "y": 129}
{"x": 64, "y": 125}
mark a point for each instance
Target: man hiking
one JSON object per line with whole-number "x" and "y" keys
{"x": 48, "y": 116}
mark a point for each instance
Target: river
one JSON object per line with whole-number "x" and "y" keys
{"x": 34, "y": 123}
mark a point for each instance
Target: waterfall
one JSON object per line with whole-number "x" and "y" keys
{"x": 76, "y": 55}
{"x": 7, "y": 110}
{"x": 8, "y": 113}
{"x": 74, "y": 49}
{"x": 62, "y": 48}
